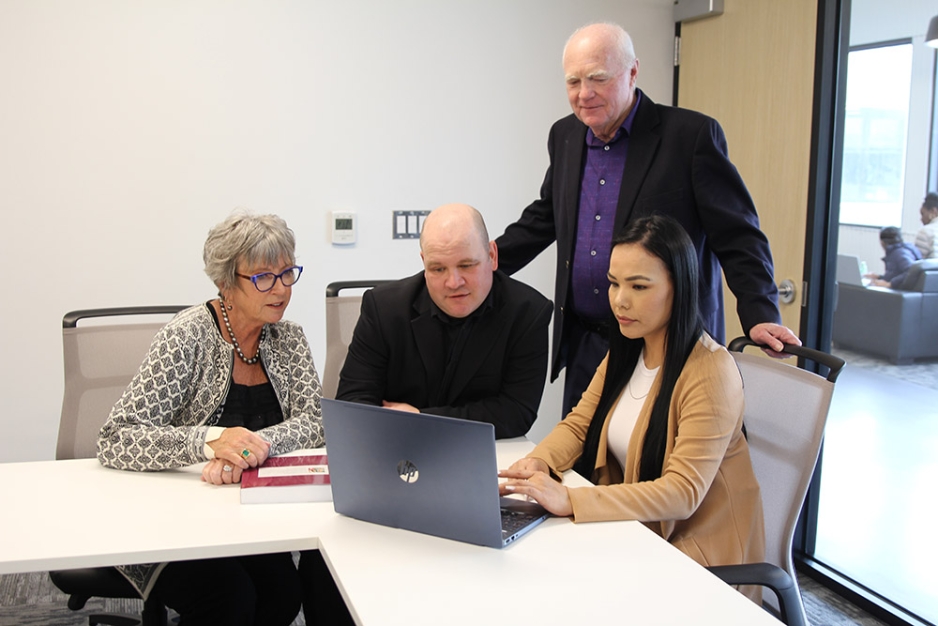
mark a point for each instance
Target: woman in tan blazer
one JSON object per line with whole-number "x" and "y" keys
{"x": 659, "y": 429}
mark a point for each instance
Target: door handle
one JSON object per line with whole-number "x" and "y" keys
{"x": 786, "y": 291}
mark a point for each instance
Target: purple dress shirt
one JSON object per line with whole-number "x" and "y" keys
{"x": 600, "y": 183}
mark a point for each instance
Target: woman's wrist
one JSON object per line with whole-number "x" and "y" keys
{"x": 211, "y": 436}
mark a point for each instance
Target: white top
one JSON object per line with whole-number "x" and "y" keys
{"x": 925, "y": 240}
{"x": 625, "y": 413}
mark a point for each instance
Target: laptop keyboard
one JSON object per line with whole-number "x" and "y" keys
{"x": 513, "y": 521}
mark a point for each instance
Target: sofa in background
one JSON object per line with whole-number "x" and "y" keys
{"x": 900, "y": 325}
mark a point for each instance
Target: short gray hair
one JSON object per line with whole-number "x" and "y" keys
{"x": 251, "y": 239}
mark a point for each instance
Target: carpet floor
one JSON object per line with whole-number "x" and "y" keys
{"x": 32, "y": 600}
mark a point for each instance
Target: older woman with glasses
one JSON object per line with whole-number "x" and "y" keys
{"x": 228, "y": 381}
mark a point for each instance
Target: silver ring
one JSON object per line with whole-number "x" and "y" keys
{"x": 226, "y": 468}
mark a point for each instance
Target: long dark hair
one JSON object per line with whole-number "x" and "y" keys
{"x": 664, "y": 238}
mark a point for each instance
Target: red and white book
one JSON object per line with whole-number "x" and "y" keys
{"x": 288, "y": 478}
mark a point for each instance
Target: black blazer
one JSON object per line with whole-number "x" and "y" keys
{"x": 397, "y": 354}
{"x": 678, "y": 166}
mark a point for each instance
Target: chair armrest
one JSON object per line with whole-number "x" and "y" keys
{"x": 771, "y": 576}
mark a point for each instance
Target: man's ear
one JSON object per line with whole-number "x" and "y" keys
{"x": 633, "y": 73}
{"x": 493, "y": 254}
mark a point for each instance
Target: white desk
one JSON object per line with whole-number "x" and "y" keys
{"x": 62, "y": 514}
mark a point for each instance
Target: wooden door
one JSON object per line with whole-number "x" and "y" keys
{"x": 752, "y": 68}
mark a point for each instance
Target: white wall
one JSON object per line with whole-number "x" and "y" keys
{"x": 874, "y": 21}
{"x": 127, "y": 129}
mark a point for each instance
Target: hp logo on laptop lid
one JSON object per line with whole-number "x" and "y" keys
{"x": 407, "y": 471}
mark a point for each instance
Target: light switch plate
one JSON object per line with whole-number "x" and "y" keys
{"x": 408, "y": 224}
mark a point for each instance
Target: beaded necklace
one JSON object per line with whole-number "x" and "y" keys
{"x": 234, "y": 340}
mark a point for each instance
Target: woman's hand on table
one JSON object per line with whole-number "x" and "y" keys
{"x": 220, "y": 472}
{"x": 531, "y": 478}
{"x": 531, "y": 465}
{"x": 240, "y": 447}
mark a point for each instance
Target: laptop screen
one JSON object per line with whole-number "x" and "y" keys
{"x": 848, "y": 270}
{"x": 431, "y": 474}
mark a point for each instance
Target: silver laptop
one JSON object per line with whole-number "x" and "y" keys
{"x": 849, "y": 272}
{"x": 426, "y": 473}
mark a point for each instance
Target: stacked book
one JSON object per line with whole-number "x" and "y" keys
{"x": 289, "y": 478}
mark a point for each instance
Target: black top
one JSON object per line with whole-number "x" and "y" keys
{"x": 678, "y": 165}
{"x": 487, "y": 367}
{"x": 251, "y": 406}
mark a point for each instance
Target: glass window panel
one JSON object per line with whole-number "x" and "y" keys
{"x": 875, "y": 135}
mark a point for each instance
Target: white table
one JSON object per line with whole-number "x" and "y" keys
{"x": 62, "y": 514}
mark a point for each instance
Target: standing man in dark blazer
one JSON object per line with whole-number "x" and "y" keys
{"x": 459, "y": 339}
{"x": 620, "y": 156}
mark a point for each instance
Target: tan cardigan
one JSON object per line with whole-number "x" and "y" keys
{"x": 707, "y": 501}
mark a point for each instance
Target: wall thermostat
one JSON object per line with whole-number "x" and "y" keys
{"x": 343, "y": 227}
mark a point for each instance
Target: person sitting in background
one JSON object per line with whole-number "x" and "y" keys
{"x": 659, "y": 429}
{"x": 227, "y": 381}
{"x": 459, "y": 339}
{"x": 899, "y": 256}
{"x": 926, "y": 240}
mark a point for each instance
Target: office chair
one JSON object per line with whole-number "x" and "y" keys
{"x": 100, "y": 361}
{"x": 341, "y": 316}
{"x": 785, "y": 413}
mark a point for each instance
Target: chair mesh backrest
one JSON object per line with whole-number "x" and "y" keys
{"x": 786, "y": 409}
{"x": 100, "y": 361}
{"x": 341, "y": 317}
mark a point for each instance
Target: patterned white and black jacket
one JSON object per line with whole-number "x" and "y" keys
{"x": 161, "y": 420}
